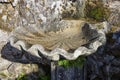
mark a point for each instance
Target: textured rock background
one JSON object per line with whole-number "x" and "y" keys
{"x": 103, "y": 65}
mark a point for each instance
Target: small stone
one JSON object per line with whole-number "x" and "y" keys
{"x": 4, "y": 18}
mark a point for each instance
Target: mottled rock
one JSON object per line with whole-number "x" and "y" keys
{"x": 114, "y": 18}
{"x": 115, "y": 48}
{"x": 3, "y": 38}
{"x": 11, "y": 70}
{"x": 8, "y": 17}
{"x": 69, "y": 73}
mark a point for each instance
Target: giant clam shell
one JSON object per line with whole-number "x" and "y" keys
{"x": 59, "y": 40}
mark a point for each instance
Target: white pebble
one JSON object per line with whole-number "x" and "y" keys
{"x": 4, "y": 18}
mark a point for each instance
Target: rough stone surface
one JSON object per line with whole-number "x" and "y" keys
{"x": 10, "y": 70}
{"x": 104, "y": 64}
{"x": 114, "y": 18}
{"x": 45, "y": 15}
{"x": 69, "y": 74}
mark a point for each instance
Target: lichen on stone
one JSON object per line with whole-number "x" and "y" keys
{"x": 73, "y": 63}
{"x": 96, "y": 11}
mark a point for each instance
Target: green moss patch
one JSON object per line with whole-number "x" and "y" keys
{"x": 44, "y": 77}
{"x": 79, "y": 62}
{"x": 40, "y": 76}
{"x": 95, "y": 10}
{"x": 3, "y": 74}
{"x": 22, "y": 77}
